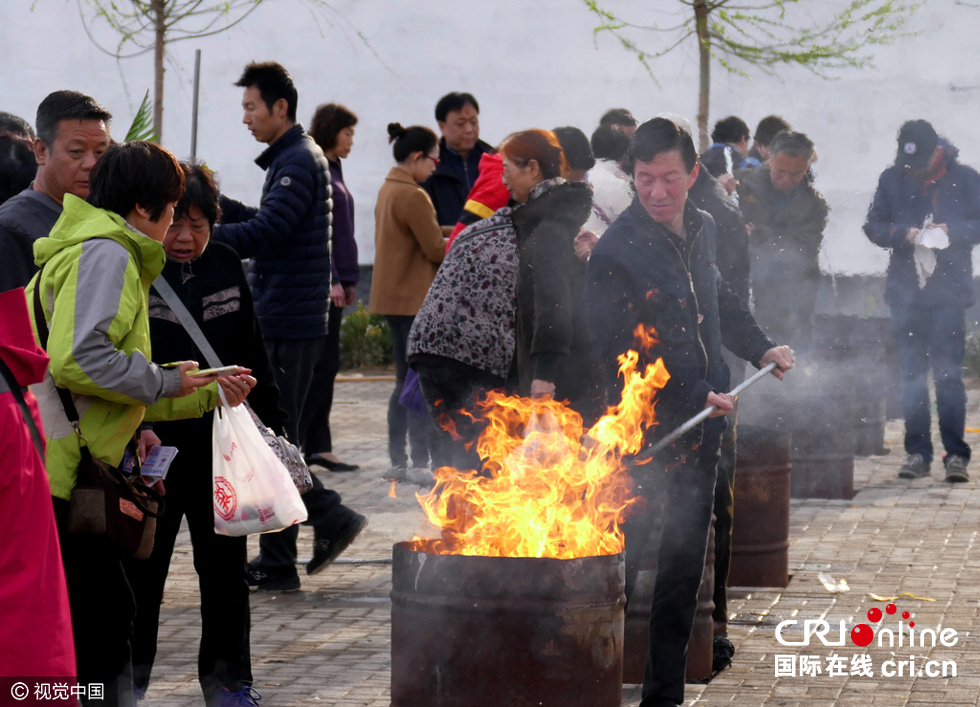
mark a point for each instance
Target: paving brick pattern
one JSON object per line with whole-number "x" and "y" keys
{"x": 329, "y": 643}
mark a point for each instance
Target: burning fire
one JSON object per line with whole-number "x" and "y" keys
{"x": 548, "y": 488}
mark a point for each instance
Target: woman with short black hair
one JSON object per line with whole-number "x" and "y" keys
{"x": 96, "y": 268}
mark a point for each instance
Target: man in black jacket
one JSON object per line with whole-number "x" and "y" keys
{"x": 654, "y": 268}
{"x": 286, "y": 239}
{"x": 460, "y": 150}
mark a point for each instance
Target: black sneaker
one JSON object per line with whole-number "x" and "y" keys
{"x": 722, "y": 653}
{"x": 956, "y": 468}
{"x": 259, "y": 580}
{"x": 328, "y": 548}
{"x": 915, "y": 467}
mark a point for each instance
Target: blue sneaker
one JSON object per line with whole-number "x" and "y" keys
{"x": 246, "y": 697}
{"x": 139, "y": 694}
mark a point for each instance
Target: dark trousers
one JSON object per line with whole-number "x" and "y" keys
{"x": 401, "y": 422}
{"x": 224, "y": 659}
{"x": 932, "y": 337}
{"x": 315, "y": 431}
{"x": 324, "y": 512}
{"x": 447, "y": 390}
{"x": 102, "y": 611}
{"x": 684, "y": 496}
{"x": 724, "y": 513}
{"x": 302, "y": 373}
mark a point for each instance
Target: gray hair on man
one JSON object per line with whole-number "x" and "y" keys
{"x": 792, "y": 143}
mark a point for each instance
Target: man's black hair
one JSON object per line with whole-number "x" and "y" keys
{"x": 15, "y": 125}
{"x": 730, "y": 130}
{"x": 453, "y": 102}
{"x": 17, "y": 166}
{"x": 768, "y": 127}
{"x": 136, "y": 173}
{"x": 200, "y": 190}
{"x": 792, "y": 144}
{"x": 273, "y": 82}
{"x": 578, "y": 152}
{"x": 618, "y": 116}
{"x": 659, "y": 135}
{"x": 327, "y": 122}
{"x": 609, "y": 143}
{"x": 66, "y": 105}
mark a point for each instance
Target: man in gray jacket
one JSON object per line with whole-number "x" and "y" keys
{"x": 72, "y": 133}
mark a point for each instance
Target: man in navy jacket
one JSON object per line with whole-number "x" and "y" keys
{"x": 460, "y": 150}
{"x": 286, "y": 239}
{"x": 654, "y": 267}
{"x": 927, "y": 211}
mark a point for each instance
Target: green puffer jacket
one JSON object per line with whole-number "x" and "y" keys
{"x": 97, "y": 273}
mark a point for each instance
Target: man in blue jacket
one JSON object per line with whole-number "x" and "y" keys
{"x": 286, "y": 240}
{"x": 927, "y": 211}
{"x": 654, "y": 267}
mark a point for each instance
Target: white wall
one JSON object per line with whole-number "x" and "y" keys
{"x": 530, "y": 64}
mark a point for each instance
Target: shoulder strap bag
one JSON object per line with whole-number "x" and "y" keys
{"x": 106, "y": 501}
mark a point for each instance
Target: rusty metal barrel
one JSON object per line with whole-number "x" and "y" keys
{"x": 760, "y": 526}
{"x": 490, "y": 631}
{"x": 814, "y": 406}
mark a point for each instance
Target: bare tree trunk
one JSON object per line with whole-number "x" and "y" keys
{"x": 160, "y": 25}
{"x": 701, "y": 11}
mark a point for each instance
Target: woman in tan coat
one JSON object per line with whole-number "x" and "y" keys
{"x": 409, "y": 245}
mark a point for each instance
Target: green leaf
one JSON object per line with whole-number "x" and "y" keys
{"x": 142, "y": 127}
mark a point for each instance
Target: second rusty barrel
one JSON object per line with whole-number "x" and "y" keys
{"x": 760, "y": 529}
{"x": 491, "y": 631}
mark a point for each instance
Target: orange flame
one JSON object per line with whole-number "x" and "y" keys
{"x": 547, "y": 488}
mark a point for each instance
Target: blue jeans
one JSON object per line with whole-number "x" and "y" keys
{"x": 932, "y": 336}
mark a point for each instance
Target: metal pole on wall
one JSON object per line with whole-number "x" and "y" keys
{"x": 197, "y": 91}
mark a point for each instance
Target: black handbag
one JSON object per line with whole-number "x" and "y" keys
{"x": 106, "y": 501}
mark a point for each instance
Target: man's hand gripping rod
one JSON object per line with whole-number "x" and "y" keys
{"x": 648, "y": 453}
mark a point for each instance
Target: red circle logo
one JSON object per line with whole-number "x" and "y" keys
{"x": 225, "y": 500}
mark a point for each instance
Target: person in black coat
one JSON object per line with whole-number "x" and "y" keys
{"x": 286, "y": 239}
{"x": 554, "y": 346}
{"x": 654, "y": 267}
{"x": 210, "y": 282}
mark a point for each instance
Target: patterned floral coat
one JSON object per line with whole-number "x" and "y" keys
{"x": 469, "y": 313}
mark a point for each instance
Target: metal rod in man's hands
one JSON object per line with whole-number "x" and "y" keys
{"x": 700, "y": 417}
{"x": 197, "y": 93}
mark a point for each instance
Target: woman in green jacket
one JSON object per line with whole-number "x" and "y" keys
{"x": 97, "y": 266}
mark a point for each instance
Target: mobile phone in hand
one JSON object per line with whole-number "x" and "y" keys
{"x": 222, "y": 371}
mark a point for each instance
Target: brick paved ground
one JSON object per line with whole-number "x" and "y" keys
{"x": 329, "y": 644}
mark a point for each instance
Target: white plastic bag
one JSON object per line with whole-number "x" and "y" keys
{"x": 253, "y": 492}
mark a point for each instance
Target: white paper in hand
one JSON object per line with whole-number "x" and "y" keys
{"x": 932, "y": 237}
